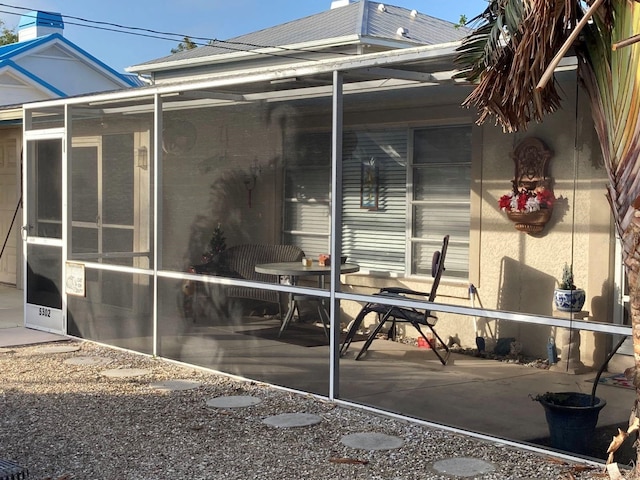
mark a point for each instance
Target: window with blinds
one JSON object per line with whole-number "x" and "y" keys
{"x": 440, "y": 198}
{"x": 307, "y": 190}
{"x": 390, "y": 237}
{"x": 375, "y": 238}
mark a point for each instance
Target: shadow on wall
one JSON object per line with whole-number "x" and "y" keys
{"x": 524, "y": 289}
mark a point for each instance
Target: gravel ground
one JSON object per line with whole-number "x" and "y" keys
{"x": 65, "y": 421}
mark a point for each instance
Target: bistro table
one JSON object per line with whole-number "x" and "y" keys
{"x": 297, "y": 269}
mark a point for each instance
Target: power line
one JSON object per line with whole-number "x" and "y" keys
{"x": 160, "y": 35}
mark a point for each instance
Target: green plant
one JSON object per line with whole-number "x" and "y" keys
{"x": 217, "y": 243}
{"x": 567, "y": 278}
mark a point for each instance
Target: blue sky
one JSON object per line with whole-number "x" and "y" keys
{"x": 221, "y": 19}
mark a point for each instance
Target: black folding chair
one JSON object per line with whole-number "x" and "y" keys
{"x": 414, "y": 316}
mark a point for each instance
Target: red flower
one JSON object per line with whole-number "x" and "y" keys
{"x": 545, "y": 198}
{"x": 526, "y": 200}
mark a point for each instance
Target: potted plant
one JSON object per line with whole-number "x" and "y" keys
{"x": 572, "y": 416}
{"x": 529, "y": 209}
{"x": 567, "y": 297}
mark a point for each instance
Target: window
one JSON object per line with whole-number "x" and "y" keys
{"x": 417, "y": 203}
{"x": 307, "y": 184}
{"x": 440, "y": 198}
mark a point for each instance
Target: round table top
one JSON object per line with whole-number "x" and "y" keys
{"x": 299, "y": 270}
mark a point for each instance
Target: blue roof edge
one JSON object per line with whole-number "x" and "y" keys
{"x": 30, "y": 44}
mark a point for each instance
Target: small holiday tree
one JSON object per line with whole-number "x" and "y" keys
{"x": 216, "y": 245}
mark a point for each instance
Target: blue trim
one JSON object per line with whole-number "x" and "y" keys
{"x": 12, "y": 65}
{"x": 14, "y": 49}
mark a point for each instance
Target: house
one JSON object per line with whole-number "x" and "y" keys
{"x": 41, "y": 65}
{"x": 341, "y": 132}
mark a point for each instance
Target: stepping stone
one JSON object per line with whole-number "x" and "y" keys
{"x": 125, "y": 372}
{"x": 372, "y": 441}
{"x": 85, "y": 361}
{"x": 233, "y": 401}
{"x": 172, "y": 385}
{"x": 463, "y": 467}
{"x": 58, "y": 349}
{"x": 291, "y": 420}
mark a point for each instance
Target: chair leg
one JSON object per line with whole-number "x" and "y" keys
{"x": 323, "y": 318}
{"x": 372, "y": 336}
{"x": 355, "y": 326}
{"x": 442, "y": 359}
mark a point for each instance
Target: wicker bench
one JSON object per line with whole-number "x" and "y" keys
{"x": 239, "y": 262}
{"x": 12, "y": 471}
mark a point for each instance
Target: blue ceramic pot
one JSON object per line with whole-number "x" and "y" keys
{"x": 569, "y": 300}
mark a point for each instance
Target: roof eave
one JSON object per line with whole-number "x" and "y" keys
{"x": 283, "y": 50}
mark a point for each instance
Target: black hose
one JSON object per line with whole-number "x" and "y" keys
{"x": 604, "y": 365}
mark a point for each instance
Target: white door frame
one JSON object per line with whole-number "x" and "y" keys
{"x": 43, "y": 317}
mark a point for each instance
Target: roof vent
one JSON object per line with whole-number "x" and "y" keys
{"x": 403, "y": 32}
{"x": 38, "y": 24}
{"x": 382, "y": 8}
{"x": 340, "y": 3}
{"x": 414, "y": 13}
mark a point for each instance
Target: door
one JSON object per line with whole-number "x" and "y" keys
{"x": 42, "y": 233}
{"x": 9, "y": 212}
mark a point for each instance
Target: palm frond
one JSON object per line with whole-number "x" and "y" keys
{"x": 484, "y": 47}
{"x": 507, "y": 71}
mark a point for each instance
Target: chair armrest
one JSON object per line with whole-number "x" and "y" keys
{"x": 400, "y": 290}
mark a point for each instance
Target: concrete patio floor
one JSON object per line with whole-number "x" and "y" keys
{"x": 483, "y": 396}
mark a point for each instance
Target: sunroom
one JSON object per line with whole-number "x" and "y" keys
{"x": 131, "y": 197}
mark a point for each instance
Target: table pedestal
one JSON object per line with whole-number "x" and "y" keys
{"x": 568, "y": 341}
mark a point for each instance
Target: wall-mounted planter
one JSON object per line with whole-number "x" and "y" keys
{"x": 531, "y": 187}
{"x": 530, "y": 222}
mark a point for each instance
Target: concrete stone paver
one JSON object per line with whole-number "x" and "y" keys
{"x": 372, "y": 441}
{"x": 292, "y": 420}
{"x": 58, "y": 349}
{"x": 175, "y": 385}
{"x": 233, "y": 401}
{"x": 463, "y": 466}
{"x": 88, "y": 361}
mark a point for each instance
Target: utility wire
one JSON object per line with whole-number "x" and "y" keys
{"x": 160, "y": 35}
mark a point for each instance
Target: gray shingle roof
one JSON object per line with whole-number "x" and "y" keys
{"x": 364, "y": 20}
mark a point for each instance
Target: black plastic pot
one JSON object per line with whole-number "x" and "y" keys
{"x": 572, "y": 418}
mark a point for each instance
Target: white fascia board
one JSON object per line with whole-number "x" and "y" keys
{"x": 266, "y": 74}
{"x": 280, "y": 51}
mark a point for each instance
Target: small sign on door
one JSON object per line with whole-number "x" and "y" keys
{"x": 74, "y": 279}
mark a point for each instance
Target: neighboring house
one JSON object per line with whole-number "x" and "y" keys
{"x": 345, "y": 122}
{"x": 42, "y": 65}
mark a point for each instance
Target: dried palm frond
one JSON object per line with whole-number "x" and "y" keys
{"x": 530, "y": 33}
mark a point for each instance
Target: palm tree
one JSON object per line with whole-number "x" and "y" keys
{"x": 511, "y": 55}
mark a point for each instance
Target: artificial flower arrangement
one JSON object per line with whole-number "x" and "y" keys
{"x": 526, "y": 201}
